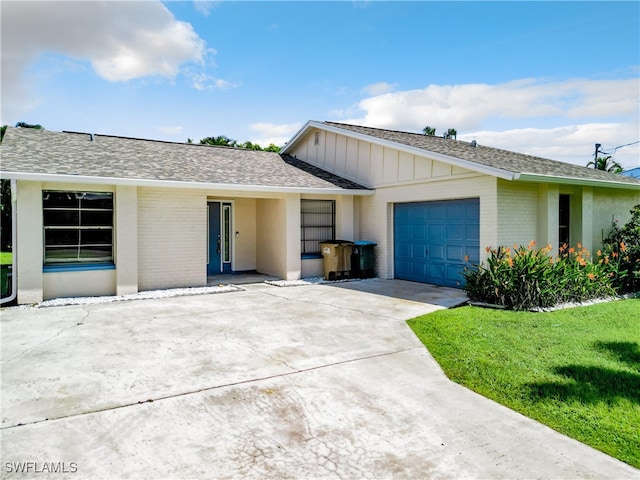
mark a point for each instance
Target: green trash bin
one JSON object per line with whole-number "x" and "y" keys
{"x": 336, "y": 255}
{"x": 364, "y": 259}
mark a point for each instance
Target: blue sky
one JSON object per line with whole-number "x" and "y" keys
{"x": 545, "y": 78}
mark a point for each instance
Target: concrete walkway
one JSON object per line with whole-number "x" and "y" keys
{"x": 311, "y": 381}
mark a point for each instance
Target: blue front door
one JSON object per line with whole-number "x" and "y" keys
{"x": 432, "y": 239}
{"x": 214, "y": 263}
{"x": 220, "y": 239}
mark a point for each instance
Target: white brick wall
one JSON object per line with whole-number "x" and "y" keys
{"x": 611, "y": 205}
{"x": 172, "y": 238}
{"x": 517, "y": 214}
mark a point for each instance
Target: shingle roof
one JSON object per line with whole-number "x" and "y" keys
{"x": 517, "y": 163}
{"x": 64, "y": 153}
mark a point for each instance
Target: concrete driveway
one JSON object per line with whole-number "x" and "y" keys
{"x": 310, "y": 381}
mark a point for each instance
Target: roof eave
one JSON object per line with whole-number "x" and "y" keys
{"x": 459, "y": 162}
{"x": 142, "y": 182}
{"x": 535, "y": 177}
{"x": 291, "y": 144}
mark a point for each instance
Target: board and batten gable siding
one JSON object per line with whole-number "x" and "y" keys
{"x": 376, "y": 212}
{"x": 370, "y": 164}
{"x": 172, "y": 238}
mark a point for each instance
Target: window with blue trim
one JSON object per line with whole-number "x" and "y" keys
{"x": 317, "y": 223}
{"x": 78, "y": 227}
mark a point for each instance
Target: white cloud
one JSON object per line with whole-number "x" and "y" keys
{"x": 205, "y": 6}
{"x": 171, "y": 130}
{"x": 467, "y": 106}
{"x": 570, "y": 143}
{"x": 121, "y": 40}
{"x": 204, "y": 81}
{"x": 569, "y": 116}
{"x": 274, "y": 133}
{"x": 379, "y": 88}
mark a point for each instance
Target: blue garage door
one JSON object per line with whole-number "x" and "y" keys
{"x": 432, "y": 239}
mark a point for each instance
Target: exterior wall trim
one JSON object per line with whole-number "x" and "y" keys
{"x": 138, "y": 182}
{"x": 530, "y": 177}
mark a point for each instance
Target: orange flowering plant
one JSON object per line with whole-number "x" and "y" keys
{"x": 525, "y": 277}
{"x": 621, "y": 253}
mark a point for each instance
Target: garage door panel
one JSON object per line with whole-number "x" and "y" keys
{"x": 455, "y": 253}
{"x": 418, "y": 251}
{"x": 455, "y": 233}
{"x": 418, "y": 269}
{"x": 403, "y": 250}
{"x": 436, "y": 270}
{"x": 456, "y": 212}
{"x": 436, "y": 233}
{"x": 473, "y": 254}
{"x": 472, "y": 233}
{"x": 416, "y": 215}
{"x": 438, "y": 211}
{"x": 403, "y": 230}
{"x": 453, "y": 272}
{"x": 432, "y": 239}
{"x": 418, "y": 232}
{"x": 403, "y": 268}
{"x": 436, "y": 252}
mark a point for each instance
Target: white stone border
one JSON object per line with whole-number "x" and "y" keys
{"x": 169, "y": 293}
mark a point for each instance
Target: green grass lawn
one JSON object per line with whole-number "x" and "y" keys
{"x": 6, "y": 258}
{"x": 575, "y": 370}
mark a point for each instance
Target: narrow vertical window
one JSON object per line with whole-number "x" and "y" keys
{"x": 226, "y": 230}
{"x": 317, "y": 223}
{"x": 564, "y": 217}
{"x": 316, "y": 138}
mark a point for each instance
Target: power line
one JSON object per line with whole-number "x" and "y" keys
{"x": 616, "y": 148}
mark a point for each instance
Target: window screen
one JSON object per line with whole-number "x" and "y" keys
{"x": 78, "y": 227}
{"x": 318, "y": 223}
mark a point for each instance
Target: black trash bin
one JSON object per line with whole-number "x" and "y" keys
{"x": 363, "y": 260}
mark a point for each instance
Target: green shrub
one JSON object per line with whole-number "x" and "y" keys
{"x": 526, "y": 278}
{"x": 622, "y": 247}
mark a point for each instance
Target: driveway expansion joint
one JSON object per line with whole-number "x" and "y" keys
{"x": 207, "y": 389}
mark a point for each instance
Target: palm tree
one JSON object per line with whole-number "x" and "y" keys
{"x": 429, "y": 130}
{"x": 221, "y": 140}
{"x": 606, "y": 164}
{"x": 452, "y": 133}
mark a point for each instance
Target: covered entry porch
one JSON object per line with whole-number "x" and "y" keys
{"x": 264, "y": 235}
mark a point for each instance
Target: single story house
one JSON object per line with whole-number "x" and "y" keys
{"x": 105, "y": 215}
